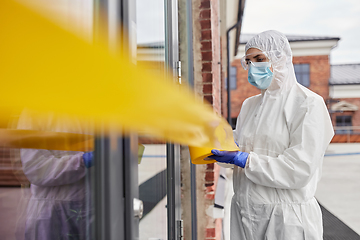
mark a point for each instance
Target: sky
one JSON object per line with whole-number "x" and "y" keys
{"x": 150, "y": 21}
{"x": 329, "y": 18}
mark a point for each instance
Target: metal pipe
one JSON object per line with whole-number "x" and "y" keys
{"x": 189, "y": 36}
{"x": 170, "y": 170}
{"x": 228, "y": 72}
{"x": 228, "y": 61}
{"x": 190, "y": 76}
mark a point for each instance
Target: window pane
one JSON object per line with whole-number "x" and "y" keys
{"x": 347, "y": 120}
{"x": 301, "y": 68}
{"x": 306, "y": 68}
{"x": 338, "y": 120}
{"x": 233, "y": 79}
{"x": 343, "y": 121}
{"x": 306, "y": 80}
{"x": 302, "y": 72}
{"x": 58, "y": 203}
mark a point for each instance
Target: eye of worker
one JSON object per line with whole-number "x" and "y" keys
{"x": 253, "y": 55}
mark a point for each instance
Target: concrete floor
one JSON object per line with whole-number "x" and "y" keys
{"x": 339, "y": 188}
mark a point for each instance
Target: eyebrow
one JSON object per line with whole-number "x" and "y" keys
{"x": 258, "y": 55}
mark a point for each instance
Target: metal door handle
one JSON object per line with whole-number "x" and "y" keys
{"x": 138, "y": 208}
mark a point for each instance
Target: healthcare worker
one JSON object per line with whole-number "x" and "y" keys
{"x": 56, "y": 209}
{"x": 282, "y": 135}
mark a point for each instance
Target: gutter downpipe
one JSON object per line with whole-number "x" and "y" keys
{"x": 238, "y": 24}
{"x": 189, "y": 36}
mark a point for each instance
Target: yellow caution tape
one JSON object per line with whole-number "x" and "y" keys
{"x": 16, "y": 138}
{"x": 45, "y": 68}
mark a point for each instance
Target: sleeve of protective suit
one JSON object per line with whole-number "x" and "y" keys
{"x": 310, "y": 131}
{"x": 52, "y": 168}
{"x": 49, "y": 167}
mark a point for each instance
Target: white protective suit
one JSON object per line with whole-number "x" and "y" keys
{"x": 56, "y": 209}
{"x": 286, "y": 130}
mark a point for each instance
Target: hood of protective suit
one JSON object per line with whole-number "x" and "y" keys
{"x": 277, "y": 48}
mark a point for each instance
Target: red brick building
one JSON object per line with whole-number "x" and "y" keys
{"x": 344, "y": 104}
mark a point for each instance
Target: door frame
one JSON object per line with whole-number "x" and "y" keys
{"x": 115, "y": 175}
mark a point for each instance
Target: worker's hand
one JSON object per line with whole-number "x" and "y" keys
{"x": 88, "y": 158}
{"x": 232, "y": 157}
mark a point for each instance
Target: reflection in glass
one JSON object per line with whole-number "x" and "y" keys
{"x": 152, "y": 168}
{"x": 152, "y": 189}
{"x": 57, "y": 207}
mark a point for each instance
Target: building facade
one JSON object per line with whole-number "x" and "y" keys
{"x": 344, "y": 101}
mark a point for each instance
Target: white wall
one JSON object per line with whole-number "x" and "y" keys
{"x": 345, "y": 91}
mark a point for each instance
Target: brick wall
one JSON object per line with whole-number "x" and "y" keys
{"x": 319, "y": 73}
{"x": 319, "y": 80}
{"x": 11, "y": 173}
{"x": 210, "y": 52}
{"x": 207, "y": 82}
{"x": 213, "y": 227}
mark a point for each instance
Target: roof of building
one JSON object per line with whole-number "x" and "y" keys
{"x": 292, "y": 38}
{"x": 244, "y": 37}
{"x": 344, "y": 74}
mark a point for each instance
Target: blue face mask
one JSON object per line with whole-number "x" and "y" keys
{"x": 259, "y": 74}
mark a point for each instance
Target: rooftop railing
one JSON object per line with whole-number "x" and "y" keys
{"x": 346, "y": 134}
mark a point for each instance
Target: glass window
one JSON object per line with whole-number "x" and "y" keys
{"x": 157, "y": 162}
{"x": 233, "y": 78}
{"x": 45, "y": 189}
{"x": 302, "y": 72}
{"x": 233, "y": 71}
{"x": 51, "y": 187}
{"x": 344, "y": 123}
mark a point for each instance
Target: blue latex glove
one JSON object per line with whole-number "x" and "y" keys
{"x": 88, "y": 158}
{"x": 233, "y": 157}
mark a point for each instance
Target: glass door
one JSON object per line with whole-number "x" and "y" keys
{"x": 159, "y": 167}
{"x": 137, "y": 183}
{"x": 131, "y": 189}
